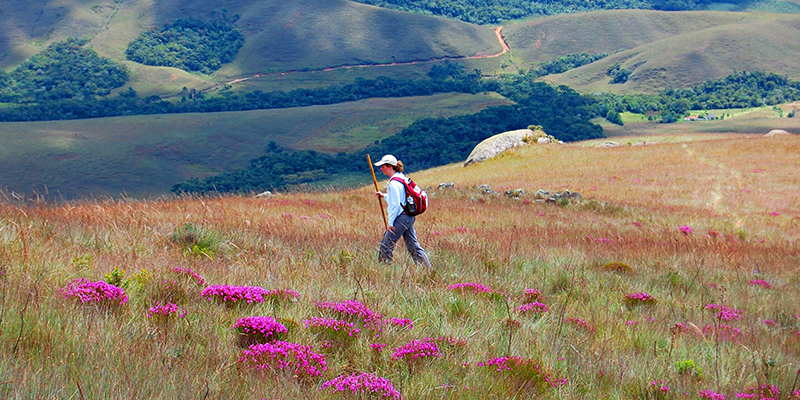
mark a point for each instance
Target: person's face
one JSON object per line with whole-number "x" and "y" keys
{"x": 387, "y": 169}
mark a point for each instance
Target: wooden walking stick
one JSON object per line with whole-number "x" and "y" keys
{"x": 380, "y": 204}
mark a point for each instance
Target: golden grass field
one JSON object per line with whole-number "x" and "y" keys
{"x": 706, "y": 225}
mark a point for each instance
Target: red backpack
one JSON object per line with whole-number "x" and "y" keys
{"x": 416, "y": 198}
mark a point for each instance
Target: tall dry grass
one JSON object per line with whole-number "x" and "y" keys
{"x": 737, "y": 194}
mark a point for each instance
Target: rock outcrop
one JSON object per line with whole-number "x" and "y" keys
{"x": 507, "y": 140}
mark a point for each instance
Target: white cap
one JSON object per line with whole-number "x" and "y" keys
{"x": 387, "y": 159}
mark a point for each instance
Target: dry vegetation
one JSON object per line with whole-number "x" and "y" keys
{"x": 690, "y": 221}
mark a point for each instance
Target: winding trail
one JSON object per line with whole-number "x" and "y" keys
{"x": 497, "y": 32}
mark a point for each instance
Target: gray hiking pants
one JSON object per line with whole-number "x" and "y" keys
{"x": 403, "y": 227}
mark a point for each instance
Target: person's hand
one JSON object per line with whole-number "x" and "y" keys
{"x": 379, "y": 194}
{"x": 391, "y": 229}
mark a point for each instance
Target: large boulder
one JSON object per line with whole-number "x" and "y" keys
{"x": 776, "y": 132}
{"x": 504, "y": 141}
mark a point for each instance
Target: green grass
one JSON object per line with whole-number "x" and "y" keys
{"x": 146, "y": 155}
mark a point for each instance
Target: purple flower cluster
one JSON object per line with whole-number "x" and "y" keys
{"x": 403, "y": 322}
{"x": 377, "y": 346}
{"x": 336, "y": 325}
{"x": 188, "y": 271}
{"x": 708, "y": 394}
{"x": 533, "y": 308}
{"x": 760, "y": 282}
{"x": 660, "y": 386}
{"x": 416, "y": 349}
{"x": 641, "y": 297}
{"x": 723, "y": 331}
{"x": 531, "y": 295}
{"x": 301, "y": 360}
{"x": 354, "y": 310}
{"x": 520, "y": 367}
{"x": 363, "y": 383}
{"x": 581, "y": 323}
{"x": 165, "y": 310}
{"x": 471, "y": 287}
{"x": 249, "y": 294}
{"x": 266, "y": 326}
{"x": 724, "y": 313}
{"x": 94, "y": 292}
{"x": 764, "y": 392}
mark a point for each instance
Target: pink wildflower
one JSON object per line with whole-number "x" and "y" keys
{"x": 580, "y": 323}
{"x": 471, "y": 287}
{"x": 417, "y": 349}
{"x": 526, "y": 369}
{"x": 378, "y": 346}
{"x": 403, "y": 322}
{"x": 774, "y": 213}
{"x": 336, "y": 325}
{"x": 188, "y": 271}
{"x": 249, "y": 294}
{"x": 640, "y": 298}
{"x": 94, "y": 292}
{"x": 764, "y": 392}
{"x": 165, "y": 310}
{"x": 631, "y": 323}
{"x": 685, "y": 229}
{"x": 299, "y": 360}
{"x": 723, "y": 331}
{"x": 637, "y": 223}
{"x": 353, "y": 310}
{"x": 708, "y": 394}
{"x": 531, "y": 295}
{"x": 725, "y": 313}
{"x": 660, "y": 386}
{"x": 770, "y": 322}
{"x": 533, "y": 308}
{"x": 362, "y": 383}
{"x": 760, "y": 282}
{"x": 266, "y": 328}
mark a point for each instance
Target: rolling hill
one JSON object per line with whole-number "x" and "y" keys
{"x": 664, "y": 49}
{"x": 279, "y": 35}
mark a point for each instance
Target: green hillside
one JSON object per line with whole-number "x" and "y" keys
{"x": 146, "y": 155}
{"x": 279, "y": 35}
{"x": 664, "y": 49}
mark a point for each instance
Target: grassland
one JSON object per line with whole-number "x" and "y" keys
{"x": 664, "y": 49}
{"x": 697, "y": 222}
{"x": 146, "y": 155}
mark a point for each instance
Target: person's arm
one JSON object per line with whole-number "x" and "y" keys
{"x": 394, "y": 200}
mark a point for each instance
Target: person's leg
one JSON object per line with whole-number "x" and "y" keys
{"x": 412, "y": 244}
{"x": 386, "y": 251}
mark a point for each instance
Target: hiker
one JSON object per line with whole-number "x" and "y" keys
{"x": 400, "y": 223}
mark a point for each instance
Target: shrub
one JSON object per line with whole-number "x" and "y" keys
{"x": 687, "y": 367}
{"x": 619, "y": 267}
